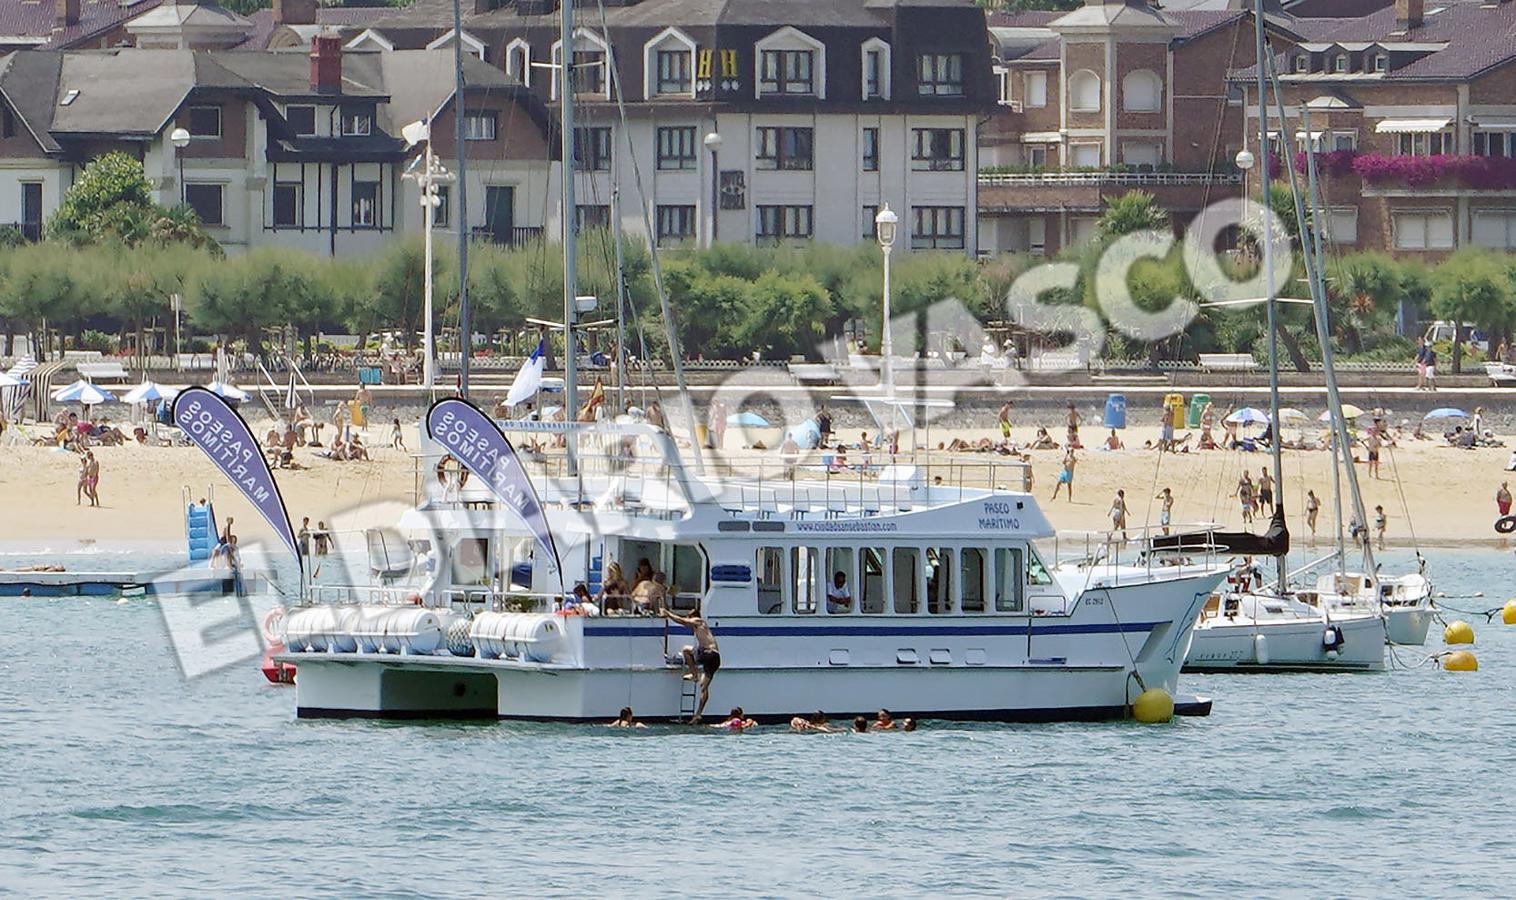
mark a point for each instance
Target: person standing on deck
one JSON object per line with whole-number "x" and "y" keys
{"x": 702, "y": 660}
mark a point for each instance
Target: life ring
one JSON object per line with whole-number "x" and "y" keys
{"x": 450, "y": 465}
{"x": 271, "y": 623}
{"x": 1505, "y": 524}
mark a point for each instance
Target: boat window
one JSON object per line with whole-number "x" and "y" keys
{"x": 840, "y": 599}
{"x": 1008, "y": 582}
{"x": 1036, "y": 572}
{"x": 803, "y": 572}
{"x": 939, "y": 580}
{"x": 689, "y": 570}
{"x": 906, "y": 567}
{"x": 971, "y": 567}
{"x": 871, "y": 564}
{"x": 470, "y": 561}
{"x": 770, "y": 580}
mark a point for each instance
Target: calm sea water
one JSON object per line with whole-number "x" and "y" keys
{"x": 120, "y": 777}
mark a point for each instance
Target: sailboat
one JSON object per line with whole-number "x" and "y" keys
{"x": 1248, "y": 625}
{"x": 1405, "y": 601}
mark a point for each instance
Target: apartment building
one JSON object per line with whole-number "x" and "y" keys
{"x": 1414, "y": 109}
{"x": 754, "y": 121}
{"x": 284, "y": 148}
{"x": 1109, "y": 98}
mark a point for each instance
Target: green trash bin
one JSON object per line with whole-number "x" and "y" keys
{"x": 1197, "y": 406}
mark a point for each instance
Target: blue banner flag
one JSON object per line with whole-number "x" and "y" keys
{"x": 478, "y": 443}
{"x": 215, "y": 427}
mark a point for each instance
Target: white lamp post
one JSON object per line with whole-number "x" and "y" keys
{"x": 713, "y": 144}
{"x": 428, "y": 173}
{"x": 180, "y": 138}
{"x": 886, "y": 223}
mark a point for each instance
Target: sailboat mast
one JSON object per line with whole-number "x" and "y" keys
{"x": 1268, "y": 276}
{"x": 465, "y": 320}
{"x": 570, "y": 271}
{"x": 619, "y": 290}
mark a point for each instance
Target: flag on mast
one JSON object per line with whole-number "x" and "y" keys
{"x": 529, "y": 379}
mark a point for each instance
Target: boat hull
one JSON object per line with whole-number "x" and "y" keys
{"x": 1408, "y": 624}
{"x": 1086, "y": 665}
{"x": 1289, "y": 646}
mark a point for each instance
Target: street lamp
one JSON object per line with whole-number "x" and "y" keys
{"x": 886, "y": 223}
{"x": 180, "y": 138}
{"x": 1245, "y": 159}
{"x": 428, "y": 173}
{"x": 713, "y": 144}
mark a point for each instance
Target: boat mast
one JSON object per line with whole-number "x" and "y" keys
{"x": 465, "y": 321}
{"x": 570, "y": 273}
{"x": 1268, "y": 277}
{"x": 1324, "y": 336}
{"x": 620, "y": 289}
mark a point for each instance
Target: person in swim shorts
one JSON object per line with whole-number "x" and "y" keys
{"x": 702, "y": 660}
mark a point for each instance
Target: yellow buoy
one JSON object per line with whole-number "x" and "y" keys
{"x": 1153, "y": 705}
{"x": 1458, "y": 632}
{"x": 1460, "y": 661}
{"x": 1508, "y": 612}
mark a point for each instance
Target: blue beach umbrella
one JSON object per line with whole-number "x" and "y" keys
{"x": 227, "y": 391}
{"x": 82, "y": 391}
{"x": 1446, "y": 412}
{"x": 148, "y": 392}
{"x": 747, "y": 420}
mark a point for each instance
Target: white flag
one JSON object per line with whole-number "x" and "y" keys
{"x": 529, "y": 379}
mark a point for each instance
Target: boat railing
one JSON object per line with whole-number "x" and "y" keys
{"x": 811, "y": 484}
{"x": 1112, "y": 552}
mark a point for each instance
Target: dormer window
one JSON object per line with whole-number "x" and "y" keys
{"x": 791, "y": 63}
{"x": 518, "y": 61}
{"x": 589, "y": 74}
{"x": 1340, "y": 64}
{"x": 876, "y": 70}
{"x": 788, "y": 72}
{"x": 669, "y": 65}
{"x": 357, "y": 121}
{"x": 204, "y": 122}
{"x": 1302, "y": 63}
{"x": 1381, "y": 62}
{"x": 940, "y": 74}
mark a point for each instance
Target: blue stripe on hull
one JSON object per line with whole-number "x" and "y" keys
{"x": 884, "y": 631}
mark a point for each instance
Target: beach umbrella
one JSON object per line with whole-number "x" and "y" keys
{"x": 10, "y": 381}
{"x": 1289, "y": 414}
{"x": 1248, "y": 416}
{"x": 1446, "y": 412}
{"x": 747, "y": 420}
{"x": 147, "y": 392}
{"x": 1349, "y": 411}
{"x": 227, "y": 391}
{"x": 83, "y": 392}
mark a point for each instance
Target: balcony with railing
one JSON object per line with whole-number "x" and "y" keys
{"x": 1085, "y": 190}
{"x": 515, "y": 236}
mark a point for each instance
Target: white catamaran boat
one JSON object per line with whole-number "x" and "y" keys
{"x": 952, "y": 612}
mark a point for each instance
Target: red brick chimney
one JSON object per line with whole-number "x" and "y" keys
{"x": 66, "y": 13}
{"x": 1409, "y": 13}
{"x": 294, "y": 12}
{"x": 326, "y": 64}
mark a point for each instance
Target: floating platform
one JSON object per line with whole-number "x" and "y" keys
{"x": 110, "y": 584}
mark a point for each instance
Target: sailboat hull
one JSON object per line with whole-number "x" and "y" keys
{"x": 1224, "y": 644}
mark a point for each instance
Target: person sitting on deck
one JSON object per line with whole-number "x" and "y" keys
{"x": 838, "y": 598}
{"x": 613, "y": 589}
{"x": 648, "y": 596}
{"x": 644, "y": 572}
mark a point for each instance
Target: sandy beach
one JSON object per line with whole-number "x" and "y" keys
{"x": 1449, "y": 492}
